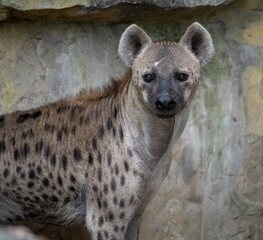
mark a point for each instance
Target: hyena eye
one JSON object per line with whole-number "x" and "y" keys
{"x": 148, "y": 77}
{"x": 182, "y": 77}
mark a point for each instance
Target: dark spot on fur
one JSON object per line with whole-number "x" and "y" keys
{"x": 99, "y": 236}
{"x": 26, "y": 149}
{"x": 110, "y": 216}
{"x": 2, "y": 147}
{"x": 71, "y": 188}
{"x": 122, "y": 203}
{"x": 106, "y": 234}
{"x": 77, "y": 154}
{"x": 24, "y": 135}
{"x": 45, "y": 182}
{"x": 109, "y": 158}
{"x": 113, "y": 185}
{"x": 109, "y": 124}
{"x": 53, "y": 160}
{"x": 99, "y": 157}
{"x": 122, "y": 228}
{"x": 31, "y": 134}
{"x": 115, "y": 112}
{"x": 90, "y": 158}
{"x": 18, "y": 169}
{"x": 22, "y": 118}
{"x": 59, "y": 181}
{"x": 47, "y": 127}
{"x": 105, "y": 204}
{"x": 6, "y": 173}
{"x": 45, "y": 196}
{"x": 64, "y": 129}
{"x": 2, "y": 121}
{"x": 64, "y": 162}
{"x": 39, "y": 170}
{"x": 94, "y": 143}
{"x": 39, "y": 146}
{"x": 47, "y": 152}
{"x": 121, "y": 133}
{"x": 30, "y": 184}
{"x": 16, "y": 154}
{"x": 115, "y": 200}
{"x": 122, "y": 214}
{"x": 72, "y": 179}
{"x": 95, "y": 188}
{"x": 101, "y": 132}
{"x": 116, "y": 169}
{"x": 106, "y": 189}
{"x": 99, "y": 174}
{"x": 116, "y": 228}
{"x": 36, "y": 114}
{"x": 99, "y": 203}
{"x": 5, "y": 194}
{"x": 73, "y": 130}
{"x": 54, "y": 198}
{"x": 126, "y": 165}
{"x": 66, "y": 200}
{"x": 23, "y": 175}
{"x": 122, "y": 180}
{"x": 101, "y": 221}
{"x": 31, "y": 174}
{"x": 59, "y": 136}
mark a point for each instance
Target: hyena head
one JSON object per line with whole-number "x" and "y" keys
{"x": 166, "y": 74}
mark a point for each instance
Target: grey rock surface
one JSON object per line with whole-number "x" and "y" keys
{"x": 97, "y": 11}
{"x": 30, "y": 5}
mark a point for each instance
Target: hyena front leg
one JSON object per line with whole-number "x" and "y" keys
{"x": 106, "y": 224}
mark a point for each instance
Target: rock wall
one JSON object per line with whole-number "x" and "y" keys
{"x": 214, "y": 188}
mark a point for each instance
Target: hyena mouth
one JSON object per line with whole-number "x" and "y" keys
{"x": 166, "y": 115}
{"x": 171, "y": 113}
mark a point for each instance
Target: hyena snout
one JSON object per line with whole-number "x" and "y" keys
{"x": 165, "y": 103}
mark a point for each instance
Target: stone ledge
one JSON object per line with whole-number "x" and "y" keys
{"x": 102, "y": 11}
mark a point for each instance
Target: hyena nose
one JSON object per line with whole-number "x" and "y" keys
{"x": 165, "y": 102}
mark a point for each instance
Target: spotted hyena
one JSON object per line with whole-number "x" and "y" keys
{"x": 101, "y": 156}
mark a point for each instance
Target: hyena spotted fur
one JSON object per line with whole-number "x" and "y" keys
{"x": 101, "y": 156}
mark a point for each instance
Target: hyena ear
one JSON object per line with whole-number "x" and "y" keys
{"x": 133, "y": 41}
{"x": 199, "y": 42}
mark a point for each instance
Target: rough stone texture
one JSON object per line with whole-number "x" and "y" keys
{"x": 98, "y": 11}
{"x": 214, "y": 188}
{"x": 56, "y": 4}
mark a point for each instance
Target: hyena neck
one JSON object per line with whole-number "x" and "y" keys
{"x": 149, "y": 136}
